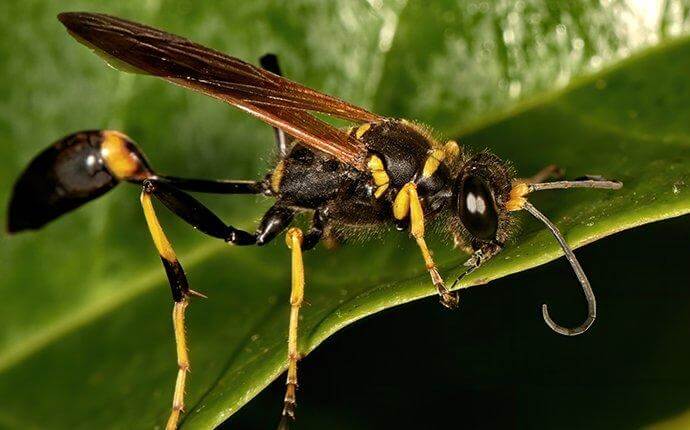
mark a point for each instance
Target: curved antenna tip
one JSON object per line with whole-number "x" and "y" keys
{"x": 565, "y": 331}
{"x": 579, "y": 273}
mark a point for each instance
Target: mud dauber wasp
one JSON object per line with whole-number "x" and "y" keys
{"x": 379, "y": 171}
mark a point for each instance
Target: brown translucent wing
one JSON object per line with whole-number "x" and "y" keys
{"x": 278, "y": 101}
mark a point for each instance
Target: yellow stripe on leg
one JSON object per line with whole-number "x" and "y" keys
{"x": 417, "y": 229}
{"x": 178, "y": 283}
{"x": 159, "y": 238}
{"x": 416, "y": 212}
{"x": 182, "y": 363}
{"x": 401, "y": 204}
{"x": 293, "y": 239}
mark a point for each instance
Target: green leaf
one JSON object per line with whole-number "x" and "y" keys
{"x": 86, "y": 339}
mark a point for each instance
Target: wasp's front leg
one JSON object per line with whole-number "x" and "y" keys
{"x": 406, "y": 204}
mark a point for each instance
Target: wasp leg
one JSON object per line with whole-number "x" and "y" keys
{"x": 477, "y": 258}
{"x": 316, "y": 232}
{"x": 189, "y": 209}
{"x": 410, "y": 198}
{"x": 276, "y": 219}
{"x": 180, "y": 292}
{"x": 270, "y": 62}
{"x": 196, "y": 214}
{"x": 294, "y": 240}
{"x": 216, "y": 186}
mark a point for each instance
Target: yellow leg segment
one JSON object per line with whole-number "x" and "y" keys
{"x": 416, "y": 213}
{"x": 182, "y": 363}
{"x": 181, "y": 292}
{"x": 293, "y": 238}
{"x": 159, "y": 238}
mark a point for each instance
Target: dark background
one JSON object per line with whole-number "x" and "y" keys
{"x": 494, "y": 364}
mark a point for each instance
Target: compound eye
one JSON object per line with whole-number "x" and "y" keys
{"x": 477, "y": 208}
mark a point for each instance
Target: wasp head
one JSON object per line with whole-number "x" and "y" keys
{"x": 480, "y": 193}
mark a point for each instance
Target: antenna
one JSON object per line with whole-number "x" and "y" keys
{"x": 584, "y": 282}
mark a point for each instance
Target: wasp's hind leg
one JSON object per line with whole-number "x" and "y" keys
{"x": 196, "y": 214}
{"x": 270, "y": 62}
{"x": 180, "y": 292}
{"x": 216, "y": 186}
{"x": 275, "y": 220}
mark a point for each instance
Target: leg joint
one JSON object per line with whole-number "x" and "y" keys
{"x": 293, "y": 234}
{"x": 149, "y": 186}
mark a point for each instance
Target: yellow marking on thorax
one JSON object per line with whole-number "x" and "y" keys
{"x": 378, "y": 173}
{"x": 449, "y": 151}
{"x": 375, "y": 163}
{"x": 516, "y": 200}
{"x": 277, "y": 176}
{"x": 380, "y": 190}
{"x": 452, "y": 149}
{"x": 361, "y": 130}
{"x": 432, "y": 162}
{"x": 119, "y": 159}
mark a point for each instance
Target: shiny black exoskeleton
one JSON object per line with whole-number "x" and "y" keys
{"x": 63, "y": 177}
{"x": 73, "y": 171}
{"x": 310, "y": 181}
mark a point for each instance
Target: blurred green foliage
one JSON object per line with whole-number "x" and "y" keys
{"x": 86, "y": 339}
